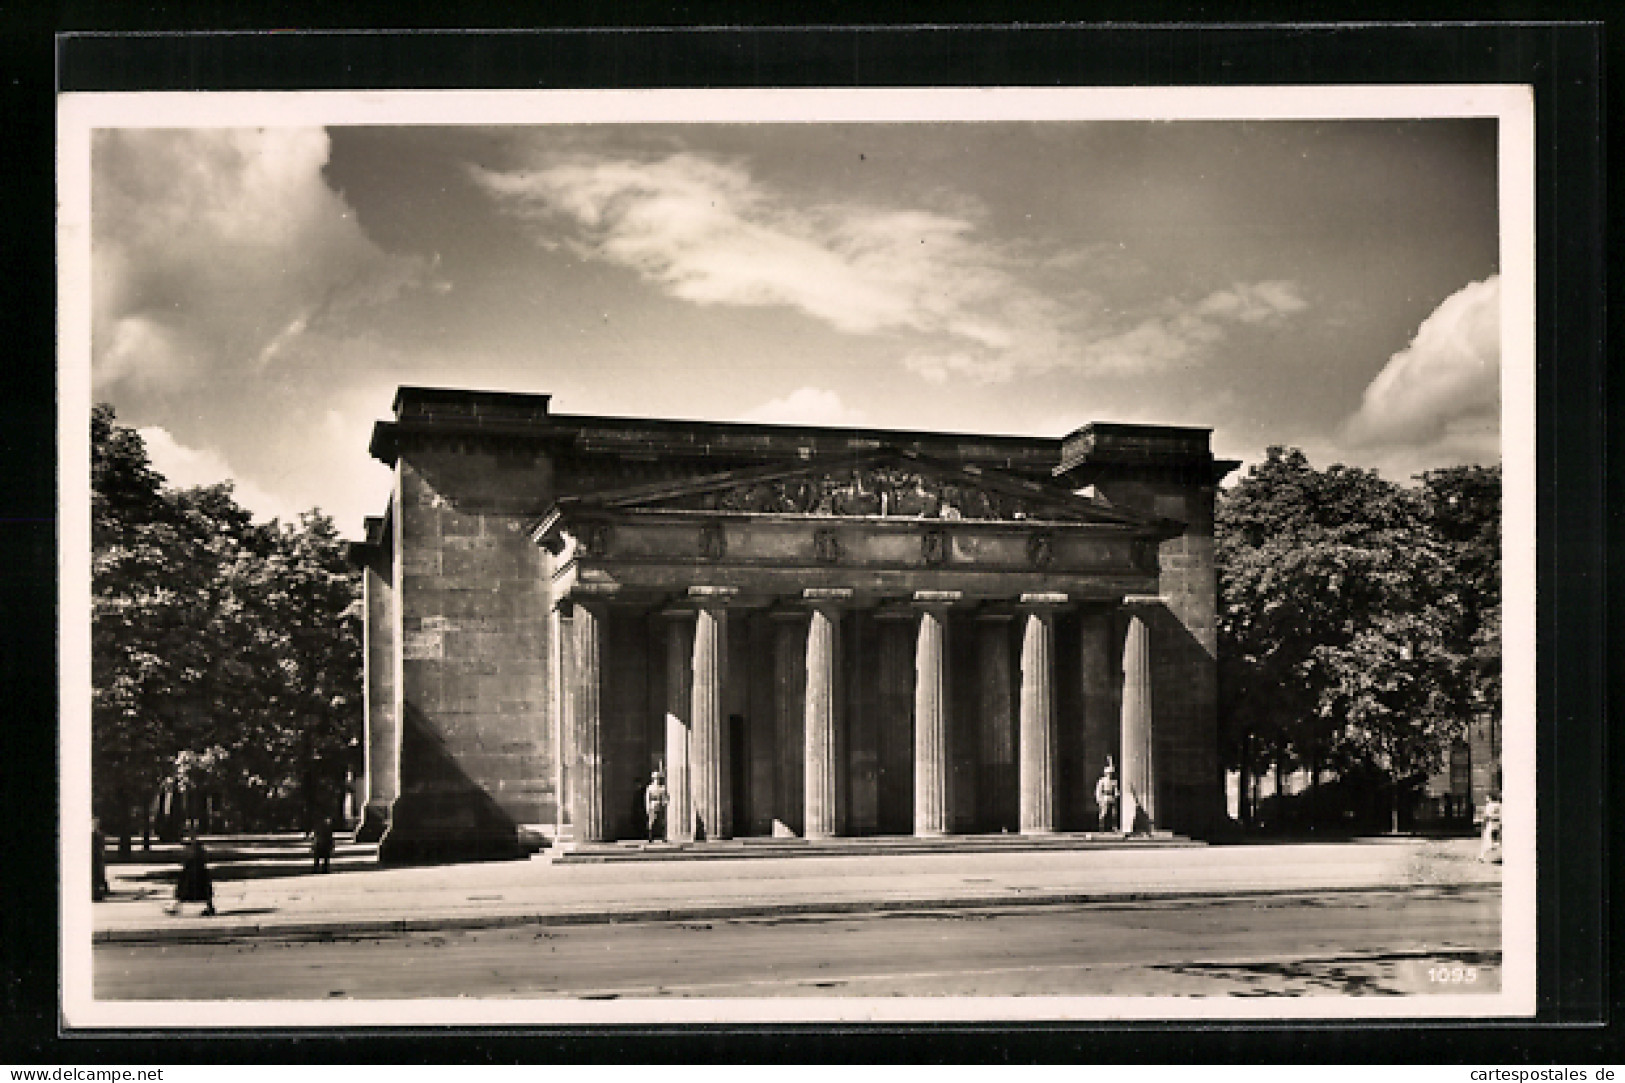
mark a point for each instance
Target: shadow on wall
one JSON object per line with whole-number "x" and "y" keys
{"x": 1190, "y": 784}
{"x": 442, "y": 815}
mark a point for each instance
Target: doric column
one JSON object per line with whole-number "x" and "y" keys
{"x": 931, "y": 713}
{"x": 706, "y": 713}
{"x": 679, "y": 705}
{"x": 1138, "y": 740}
{"x": 586, "y": 625}
{"x": 1037, "y": 728}
{"x": 382, "y": 725}
{"x": 821, "y": 779}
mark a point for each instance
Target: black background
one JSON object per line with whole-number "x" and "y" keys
{"x": 109, "y": 46}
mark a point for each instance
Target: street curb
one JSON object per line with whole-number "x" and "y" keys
{"x": 715, "y": 912}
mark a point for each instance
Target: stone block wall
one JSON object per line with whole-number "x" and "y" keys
{"x": 1184, "y": 649}
{"x": 473, "y": 697}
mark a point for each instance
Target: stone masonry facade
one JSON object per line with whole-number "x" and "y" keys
{"x": 810, "y": 632}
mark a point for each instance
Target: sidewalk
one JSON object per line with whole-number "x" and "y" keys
{"x": 360, "y": 899}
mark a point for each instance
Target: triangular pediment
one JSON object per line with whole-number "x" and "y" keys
{"x": 901, "y": 484}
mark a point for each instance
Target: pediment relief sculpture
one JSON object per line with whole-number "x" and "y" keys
{"x": 876, "y": 490}
{"x": 897, "y": 485}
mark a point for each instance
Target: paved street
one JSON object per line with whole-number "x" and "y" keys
{"x": 257, "y": 900}
{"x": 1348, "y": 942}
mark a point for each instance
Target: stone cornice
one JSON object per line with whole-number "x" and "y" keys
{"x": 496, "y": 416}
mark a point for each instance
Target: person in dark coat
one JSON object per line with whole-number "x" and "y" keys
{"x": 195, "y": 883}
{"x": 98, "y": 862}
{"x": 321, "y": 846}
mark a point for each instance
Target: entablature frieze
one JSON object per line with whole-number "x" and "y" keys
{"x": 872, "y": 603}
{"x": 765, "y": 544}
{"x": 880, "y": 591}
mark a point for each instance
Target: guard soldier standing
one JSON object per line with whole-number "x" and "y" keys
{"x": 654, "y": 805}
{"x": 1107, "y": 794}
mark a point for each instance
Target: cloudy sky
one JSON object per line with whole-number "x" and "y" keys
{"x": 258, "y": 293}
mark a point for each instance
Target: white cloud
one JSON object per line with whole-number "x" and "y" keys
{"x": 1253, "y": 302}
{"x": 707, "y": 231}
{"x": 301, "y": 479}
{"x": 214, "y": 250}
{"x": 185, "y": 467}
{"x": 807, "y": 406}
{"x": 1444, "y": 388}
{"x": 1184, "y": 334}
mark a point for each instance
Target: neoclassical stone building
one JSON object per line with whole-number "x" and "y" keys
{"x": 815, "y": 632}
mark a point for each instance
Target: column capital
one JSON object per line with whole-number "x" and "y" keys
{"x": 589, "y": 595}
{"x": 684, "y": 606}
{"x": 711, "y": 594}
{"x": 937, "y": 599}
{"x": 827, "y": 596}
{"x": 1043, "y": 600}
{"x": 1141, "y": 602}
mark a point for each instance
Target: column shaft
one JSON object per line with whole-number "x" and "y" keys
{"x": 706, "y": 733}
{"x": 588, "y": 812}
{"x": 931, "y": 724}
{"x": 1139, "y": 778}
{"x": 820, "y": 778}
{"x": 1037, "y": 723}
{"x": 679, "y": 705}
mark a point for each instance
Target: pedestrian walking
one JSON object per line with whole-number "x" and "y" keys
{"x": 655, "y": 799}
{"x": 1107, "y": 795}
{"x": 321, "y": 846}
{"x": 98, "y": 862}
{"x": 195, "y": 884}
{"x": 1490, "y": 819}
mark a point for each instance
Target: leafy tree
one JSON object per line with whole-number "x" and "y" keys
{"x": 226, "y": 654}
{"x": 1345, "y": 629}
{"x": 150, "y": 572}
{"x": 306, "y": 657}
{"x": 1461, "y": 506}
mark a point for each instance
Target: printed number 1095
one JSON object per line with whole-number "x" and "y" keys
{"x": 1453, "y": 975}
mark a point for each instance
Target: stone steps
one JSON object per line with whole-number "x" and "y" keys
{"x": 568, "y": 853}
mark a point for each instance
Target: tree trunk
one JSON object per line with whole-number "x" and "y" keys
{"x": 124, "y": 821}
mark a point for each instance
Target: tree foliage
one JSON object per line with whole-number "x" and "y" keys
{"x": 1359, "y": 620}
{"x": 225, "y": 653}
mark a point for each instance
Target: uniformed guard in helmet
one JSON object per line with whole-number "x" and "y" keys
{"x": 1107, "y": 795}
{"x": 655, "y": 798}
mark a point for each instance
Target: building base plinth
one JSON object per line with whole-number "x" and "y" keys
{"x": 432, "y": 828}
